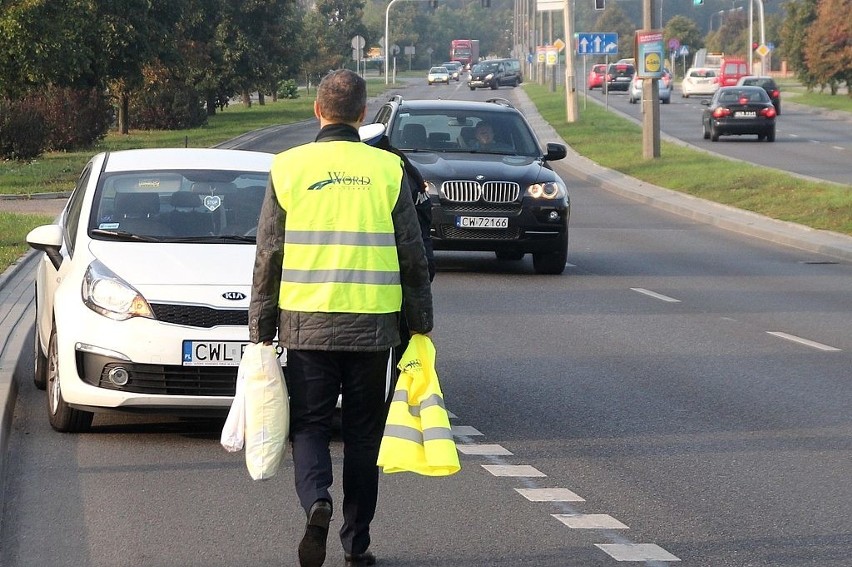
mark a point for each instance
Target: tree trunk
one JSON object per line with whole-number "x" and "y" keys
{"x": 261, "y": 100}
{"x": 247, "y": 98}
{"x": 123, "y": 113}
{"x": 212, "y": 99}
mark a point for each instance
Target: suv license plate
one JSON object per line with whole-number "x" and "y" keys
{"x": 482, "y": 222}
{"x": 217, "y": 353}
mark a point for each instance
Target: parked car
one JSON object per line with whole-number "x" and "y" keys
{"x": 492, "y": 74}
{"x": 635, "y": 92}
{"x": 618, "y": 77}
{"x": 143, "y": 289}
{"x": 596, "y": 76}
{"x": 739, "y": 111}
{"x": 455, "y": 69}
{"x": 766, "y": 83}
{"x": 438, "y": 75}
{"x": 505, "y": 198}
{"x": 699, "y": 81}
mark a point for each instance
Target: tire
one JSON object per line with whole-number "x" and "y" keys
{"x": 507, "y": 256}
{"x": 62, "y": 417}
{"x": 761, "y": 137}
{"x": 667, "y": 100}
{"x": 714, "y": 134}
{"x": 494, "y": 85}
{"x": 552, "y": 262}
{"x": 770, "y": 136}
{"x": 40, "y": 363}
{"x": 705, "y": 131}
{"x": 473, "y": 88}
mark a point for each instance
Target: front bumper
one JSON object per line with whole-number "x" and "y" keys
{"x": 535, "y": 227}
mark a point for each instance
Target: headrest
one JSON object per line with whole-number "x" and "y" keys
{"x": 184, "y": 200}
{"x": 136, "y": 205}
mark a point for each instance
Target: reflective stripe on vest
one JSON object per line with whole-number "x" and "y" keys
{"x": 339, "y": 247}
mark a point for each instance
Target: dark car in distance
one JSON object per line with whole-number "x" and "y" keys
{"x": 495, "y": 73}
{"x": 503, "y": 198}
{"x": 618, "y": 77}
{"x": 739, "y": 111}
{"x": 766, "y": 83}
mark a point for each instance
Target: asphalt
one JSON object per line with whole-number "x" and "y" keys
{"x": 17, "y": 300}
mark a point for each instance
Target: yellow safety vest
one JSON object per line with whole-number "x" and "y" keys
{"x": 340, "y": 252}
{"x": 418, "y": 437}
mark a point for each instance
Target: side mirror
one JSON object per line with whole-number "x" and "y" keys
{"x": 705, "y": 102}
{"x": 555, "y": 152}
{"x": 48, "y": 239}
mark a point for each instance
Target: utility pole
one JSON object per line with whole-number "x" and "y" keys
{"x": 650, "y": 96}
{"x": 571, "y": 109}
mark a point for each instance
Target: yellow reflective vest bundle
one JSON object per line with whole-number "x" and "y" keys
{"x": 417, "y": 436}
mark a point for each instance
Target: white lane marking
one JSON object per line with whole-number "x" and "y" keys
{"x": 801, "y": 341}
{"x": 841, "y": 148}
{"x": 513, "y": 470}
{"x": 655, "y": 295}
{"x": 549, "y": 495}
{"x": 464, "y": 430}
{"x": 590, "y": 521}
{"x": 636, "y": 552}
{"x": 482, "y": 449}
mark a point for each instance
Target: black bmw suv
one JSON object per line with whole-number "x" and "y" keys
{"x": 501, "y": 197}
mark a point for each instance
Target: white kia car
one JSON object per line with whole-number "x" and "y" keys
{"x": 143, "y": 289}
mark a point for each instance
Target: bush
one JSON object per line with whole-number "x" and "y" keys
{"x": 23, "y": 131}
{"x": 288, "y": 89}
{"x": 75, "y": 118}
{"x": 166, "y": 105}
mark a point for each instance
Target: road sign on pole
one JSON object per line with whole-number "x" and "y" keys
{"x": 597, "y": 43}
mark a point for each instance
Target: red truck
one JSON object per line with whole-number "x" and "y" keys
{"x": 465, "y": 51}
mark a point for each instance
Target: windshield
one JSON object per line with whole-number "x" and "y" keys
{"x": 178, "y": 206}
{"x": 448, "y": 130}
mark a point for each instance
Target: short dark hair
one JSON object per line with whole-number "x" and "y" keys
{"x": 342, "y": 96}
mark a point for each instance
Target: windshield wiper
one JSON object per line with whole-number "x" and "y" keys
{"x": 211, "y": 238}
{"x": 126, "y": 236}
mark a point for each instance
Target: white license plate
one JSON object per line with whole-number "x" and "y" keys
{"x": 217, "y": 353}
{"x": 482, "y": 222}
{"x": 745, "y": 114}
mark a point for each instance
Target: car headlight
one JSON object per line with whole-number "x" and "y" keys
{"x": 489, "y": 76}
{"x": 548, "y": 190}
{"x": 107, "y": 294}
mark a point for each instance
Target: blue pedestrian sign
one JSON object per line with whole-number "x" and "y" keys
{"x": 597, "y": 43}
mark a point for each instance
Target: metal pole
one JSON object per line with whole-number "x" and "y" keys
{"x": 571, "y": 110}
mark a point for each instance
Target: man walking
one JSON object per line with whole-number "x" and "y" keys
{"x": 339, "y": 256}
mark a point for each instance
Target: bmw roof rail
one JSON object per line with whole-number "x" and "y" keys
{"x": 396, "y": 98}
{"x": 500, "y": 101}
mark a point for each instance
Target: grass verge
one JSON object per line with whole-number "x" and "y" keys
{"x": 761, "y": 190}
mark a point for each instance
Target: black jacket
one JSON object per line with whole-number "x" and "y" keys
{"x": 337, "y": 331}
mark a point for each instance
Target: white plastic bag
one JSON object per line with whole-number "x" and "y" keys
{"x": 234, "y": 431}
{"x": 267, "y": 410}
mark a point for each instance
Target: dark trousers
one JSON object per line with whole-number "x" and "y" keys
{"x": 314, "y": 379}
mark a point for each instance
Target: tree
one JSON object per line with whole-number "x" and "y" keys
{"x": 794, "y": 34}
{"x": 614, "y": 19}
{"x": 828, "y": 45}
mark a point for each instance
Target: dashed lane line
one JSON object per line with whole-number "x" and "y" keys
{"x": 655, "y": 295}
{"x": 801, "y": 341}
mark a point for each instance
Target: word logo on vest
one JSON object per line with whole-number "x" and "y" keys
{"x": 342, "y": 179}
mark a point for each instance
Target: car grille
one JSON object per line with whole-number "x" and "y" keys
{"x": 455, "y": 233}
{"x": 472, "y": 191}
{"x": 174, "y": 380}
{"x": 198, "y": 315}
{"x": 482, "y": 208}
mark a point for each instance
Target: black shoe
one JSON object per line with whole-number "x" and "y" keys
{"x": 360, "y": 559}
{"x": 312, "y": 546}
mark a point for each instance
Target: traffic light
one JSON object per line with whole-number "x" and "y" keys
{"x": 600, "y": 4}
